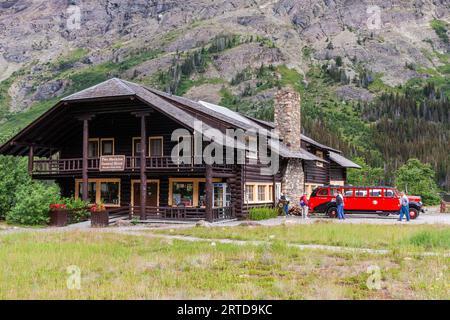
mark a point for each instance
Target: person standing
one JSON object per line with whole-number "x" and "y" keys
{"x": 304, "y": 206}
{"x": 285, "y": 201}
{"x": 404, "y": 207}
{"x": 340, "y": 205}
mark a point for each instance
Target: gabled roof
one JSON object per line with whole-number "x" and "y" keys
{"x": 342, "y": 161}
{"x": 110, "y": 88}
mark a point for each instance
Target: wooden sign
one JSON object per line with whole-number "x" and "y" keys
{"x": 112, "y": 163}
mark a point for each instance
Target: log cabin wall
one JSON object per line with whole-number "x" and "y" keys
{"x": 337, "y": 173}
{"x": 317, "y": 174}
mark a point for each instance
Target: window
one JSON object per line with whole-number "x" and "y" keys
{"x": 93, "y": 148}
{"x": 156, "y": 146}
{"x": 375, "y": 192}
{"x": 249, "y": 193}
{"x": 107, "y": 147}
{"x": 261, "y": 193}
{"x": 252, "y": 145}
{"x": 136, "y": 147}
{"x": 202, "y": 194}
{"x": 389, "y": 193}
{"x": 348, "y": 192}
{"x": 100, "y": 190}
{"x": 320, "y": 155}
{"x": 92, "y": 191}
{"x": 109, "y": 192}
{"x": 270, "y": 192}
{"x": 360, "y": 193}
{"x": 183, "y": 194}
{"x": 322, "y": 192}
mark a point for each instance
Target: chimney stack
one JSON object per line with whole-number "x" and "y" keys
{"x": 287, "y": 116}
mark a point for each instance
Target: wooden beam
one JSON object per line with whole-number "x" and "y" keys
{"x": 30, "y": 160}
{"x": 209, "y": 193}
{"x": 142, "y": 165}
{"x": 85, "y": 158}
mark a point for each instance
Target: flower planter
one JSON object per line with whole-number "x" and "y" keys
{"x": 59, "y": 218}
{"x": 99, "y": 219}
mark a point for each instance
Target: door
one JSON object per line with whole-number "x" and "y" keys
{"x": 221, "y": 196}
{"x": 391, "y": 202}
{"x": 152, "y": 193}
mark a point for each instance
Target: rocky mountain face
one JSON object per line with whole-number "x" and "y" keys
{"x": 336, "y": 53}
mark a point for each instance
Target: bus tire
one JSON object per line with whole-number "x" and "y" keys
{"x": 332, "y": 212}
{"x": 413, "y": 213}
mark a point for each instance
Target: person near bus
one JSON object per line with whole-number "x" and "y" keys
{"x": 304, "y": 206}
{"x": 404, "y": 207}
{"x": 340, "y": 205}
{"x": 285, "y": 201}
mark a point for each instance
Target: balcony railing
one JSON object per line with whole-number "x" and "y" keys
{"x": 181, "y": 213}
{"x": 72, "y": 166}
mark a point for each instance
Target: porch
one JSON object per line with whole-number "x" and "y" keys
{"x": 172, "y": 213}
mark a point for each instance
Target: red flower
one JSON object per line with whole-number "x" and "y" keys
{"x": 57, "y": 206}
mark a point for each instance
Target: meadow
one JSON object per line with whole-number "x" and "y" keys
{"x": 35, "y": 265}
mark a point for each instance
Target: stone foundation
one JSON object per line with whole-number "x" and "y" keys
{"x": 292, "y": 183}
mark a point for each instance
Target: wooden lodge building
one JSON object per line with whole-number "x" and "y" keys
{"x": 113, "y": 143}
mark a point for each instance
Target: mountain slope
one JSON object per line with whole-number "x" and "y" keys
{"x": 237, "y": 53}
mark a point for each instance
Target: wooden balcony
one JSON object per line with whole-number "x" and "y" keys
{"x": 132, "y": 164}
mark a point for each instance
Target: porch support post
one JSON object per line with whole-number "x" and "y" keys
{"x": 209, "y": 194}
{"x": 274, "y": 191}
{"x": 85, "y": 189}
{"x": 30, "y": 160}
{"x": 142, "y": 166}
{"x": 85, "y": 159}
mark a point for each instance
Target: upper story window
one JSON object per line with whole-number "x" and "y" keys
{"x": 93, "y": 148}
{"x": 320, "y": 155}
{"x": 107, "y": 147}
{"x": 252, "y": 145}
{"x": 100, "y": 147}
{"x": 156, "y": 146}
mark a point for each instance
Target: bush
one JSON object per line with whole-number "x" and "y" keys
{"x": 32, "y": 205}
{"x": 78, "y": 209}
{"x": 13, "y": 174}
{"x": 262, "y": 213}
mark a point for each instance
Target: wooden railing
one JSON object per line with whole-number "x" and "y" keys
{"x": 181, "y": 213}
{"x": 223, "y": 213}
{"x": 169, "y": 213}
{"x": 52, "y": 166}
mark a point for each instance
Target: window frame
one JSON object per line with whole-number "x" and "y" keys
{"x": 195, "y": 189}
{"x": 113, "y": 146}
{"x": 150, "y": 142}
{"x": 97, "y": 140}
{"x": 98, "y": 182}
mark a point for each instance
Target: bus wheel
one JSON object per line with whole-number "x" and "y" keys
{"x": 413, "y": 213}
{"x": 332, "y": 212}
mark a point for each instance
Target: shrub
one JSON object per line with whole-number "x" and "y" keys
{"x": 262, "y": 213}
{"x": 79, "y": 210}
{"x": 13, "y": 174}
{"x": 33, "y": 203}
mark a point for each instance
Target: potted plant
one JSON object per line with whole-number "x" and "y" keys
{"x": 99, "y": 215}
{"x": 58, "y": 215}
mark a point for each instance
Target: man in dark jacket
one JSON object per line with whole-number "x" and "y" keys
{"x": 340, "y": 205}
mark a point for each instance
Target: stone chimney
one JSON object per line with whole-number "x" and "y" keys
{"x": 287, "y": 116}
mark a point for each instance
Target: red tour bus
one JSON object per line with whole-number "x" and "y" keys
{"x": 380, "y": 200}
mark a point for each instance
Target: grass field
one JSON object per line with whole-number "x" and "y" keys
{"x": 113, "y": 266}
{"x": 396, "y": 237}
